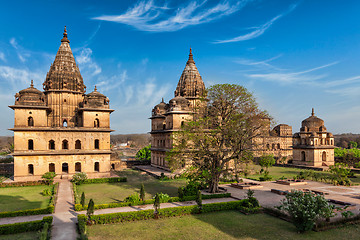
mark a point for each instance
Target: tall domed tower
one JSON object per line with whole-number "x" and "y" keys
{"x": 169, "y": 117}
{"x": 313, "y": 145}
{"x": 63, "y": 129}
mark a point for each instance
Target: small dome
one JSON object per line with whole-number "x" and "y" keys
{"x": 312, "y": 123}
{"x": 160, "y": 109}
{"x": 296, "y": 135}
{"x": 30, "y": 96}
{"x": 330, "y": 135}
{"x": 96, "y": 100}
{"x": 179, "y": 103}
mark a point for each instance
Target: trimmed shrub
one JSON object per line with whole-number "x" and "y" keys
{"x": 48, "y": 177}
{"x": 82, "y": 226}
{"x": 22, "y": 184}
{"x": 90, "y": 209}
{"x": 46, "y": 192}
{"x": 162, "y": 213}
{"x": 142, "y": 192}
{"x": 82, "y": 201}
{"x": 78, "y": 207}
{"x": 25, "y": 226}
{"x": 133, "y": 198}
{"x": 79, "y": 178}
{"x": 163, "y": 197}
{"x": 37, "y": 211}
{"x": 199, "y": 200}
{"x": 106, "y": 180}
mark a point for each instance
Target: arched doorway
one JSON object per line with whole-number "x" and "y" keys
{"x": 303, "y": 157}
{"x": 77, "y": 167}
{"x": 65, "y": 168}
{"x": 324, "y": 156}
{"x": 77, "y": 144}
{"x": 97, "y": 167}
{"x": 52, "y": 167}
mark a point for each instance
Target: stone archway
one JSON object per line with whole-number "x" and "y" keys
{"x": 324, "y": 156}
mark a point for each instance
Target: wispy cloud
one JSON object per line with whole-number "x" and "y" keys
{"x": 258, "y": 64}
{"x": 147, "y": 16}
{"x": 292, "y": 77}
{"x": 21, "y": 53}
{"x": 86, "y": 63}
{"x": 2, "y": 57}
{"x": 259, "y": 30}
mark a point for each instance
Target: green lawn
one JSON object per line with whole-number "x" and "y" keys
{"x": 277, "y": 172}
{"x": 22, "y": 198}
{"x": 117, "y": 192}
{"x": 217, "y": 225}
{"x": 20, "y": 236}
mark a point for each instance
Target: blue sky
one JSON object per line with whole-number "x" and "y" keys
{"x": 293, "y": 55}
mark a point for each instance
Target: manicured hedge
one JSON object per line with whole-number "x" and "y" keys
{"x": 79, "y": 207}
{"x": 25, "y": 226}
{"x": 36, "y": 211}
{"x": 105, "y": 180}
{"x": 82, "y": 226}
{"x": 166, "y": 212}
{"x": 22, "y": 184}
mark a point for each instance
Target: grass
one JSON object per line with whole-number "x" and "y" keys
{"x": 20, "y": 236}
{"x": 117, "y": 192}
{"x": 22, "y": 198}
{"x": 218, "y": 225}
{"x": 276, "y": 172}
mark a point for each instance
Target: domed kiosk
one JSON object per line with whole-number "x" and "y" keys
{"x": 313, "y": 145}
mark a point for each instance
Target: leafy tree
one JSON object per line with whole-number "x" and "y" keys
{"x": 222, "y": 131}
{"x": 144, "y": 153}
{"x": 49, "y": 177}
{"x": 90, "y": 209}
{"x": 82, "y": 200}
{"x": 305, "y": 208}
{"x": 342, "y": 172}
{"x": 265, "y": 162}
{"x": 142, "y": 192}
{"x": 353, "y": 144}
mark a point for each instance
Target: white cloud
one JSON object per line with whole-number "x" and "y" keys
{"x": 19, "y": 78}
{"x": 2, "y": 57}
{"x": 86, "y": 63}
{"x": 292, "y": 77}
{"x": 259, "y": 64}
{"x": 146, "y": 16}
{"x": 21, "y": 53}
{"x": 260, "y": 30}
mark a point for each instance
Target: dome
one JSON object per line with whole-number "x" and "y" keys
{"x": 179, "y": 103}
{"x": 312, "y": 123}
{"x": 96, "y": 100}
{"x": 160, "y": 109}
{"x": 30, "y": 96}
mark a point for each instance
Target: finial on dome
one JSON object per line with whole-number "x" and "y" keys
{"x": 65, "y": 39}
{"x": 95, "y": 89}
{"x": 32, "y": 83}
{"x": 191, "y": 59}
{"x": 312, "y": 112}
{"x": 162, "y": 100}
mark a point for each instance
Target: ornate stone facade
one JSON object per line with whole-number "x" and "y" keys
{"x": 62, "y": 129}
{"x": 168, "y": 117}
{"x": 313, "y": 145}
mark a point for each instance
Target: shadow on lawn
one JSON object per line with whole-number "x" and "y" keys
{"x": 16, "y": 203}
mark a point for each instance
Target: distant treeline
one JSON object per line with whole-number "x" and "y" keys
{"x": 343, "y": 140}
{"x": 5, "y": 143}
{"x": 135, "y": 140}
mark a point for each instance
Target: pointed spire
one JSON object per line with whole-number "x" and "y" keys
{"x": 191, "y": 59}
{"x": 95, "y": 89}
{"x": 65, "y": 39}
{"x": 32, "y": 83}
{"x": 312, "y": 112}
{"x": 162, "y": 100}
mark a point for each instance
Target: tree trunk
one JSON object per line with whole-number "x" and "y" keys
{"x": 214, "y": 184}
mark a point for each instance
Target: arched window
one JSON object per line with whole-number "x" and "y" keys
{"x": 51, "y": 167}
{"x": 113, "y": 166}
{"x": 164, "y": 126}
{"x": 96, "y": 167}
{"x": 303, "y": 157}
{"x": 268, "y": 146}
{"x": 332, "y": 143}
{"x": 97, "y": 144}
{"x": 30, "y": 122}
{"x": 65, "y": 123}
{"x": 96, "y": 123}
{"x": 278, "y": 146}
{"x": 77, "y": 144}
{"x": 273, "y": 146}
{"x": 182, "y": 123}
{"x": 77, "y": 167}
{"x": 65, "y": 144}
{"x": 51, "y": 144}
{"x": 324, "y": 156}
{"x": 31, "y": 169}
{"x": 30, "y": 144}
{"x": 65, "y": 168}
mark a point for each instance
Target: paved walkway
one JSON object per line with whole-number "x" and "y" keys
{"x": 65, "y": 218}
